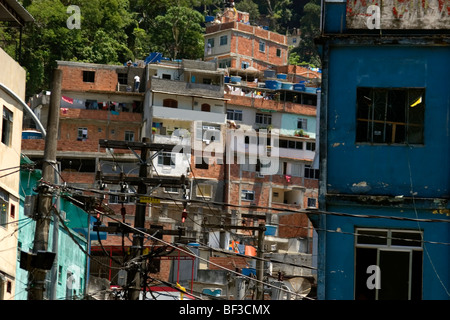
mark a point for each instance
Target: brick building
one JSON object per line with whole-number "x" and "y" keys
{"x": 236, "y": 44}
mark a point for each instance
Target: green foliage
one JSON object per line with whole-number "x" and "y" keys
{"x": 115, "y": 31}
{"x": 179, "y": 33}
{"x": 310, "y": 29}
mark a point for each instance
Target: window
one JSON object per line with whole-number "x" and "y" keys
{"x": 204, "y": 190}
{"x": 170, "y": 103}
{"x": 398, "y": 256}
{"x": 311, "y": 146}
{"x": 262, "y": 118}
{"x": 247, "y": 195}
{"x": 129, "y": 135}
{"x": 82, "y": 134}
{"x": 225, "y": 63}
{"x": 4, "y": 202}
{"x": 312, "y": 203}
{"x": 7, "y": 126}
{"x": 278, "y": 52}
{"x": 262, "y": 46}
{"x": 311, "y": 173}
{"x": 207, "y": 133}
{"x": 245, "y": 65}
{"x": 223, "y": 40}
{"x": 290, "y": 144}
{"x": 392, "y": 115}
{"x": 88, "y": 76}
{"x": 12, "y": 211}
{"x": 171, "y": 189}
{"x": 201, "y": 163}
{"x": 206, "y": 107}
{"x": 234, "y": 115}
{"x": 211, "y": 42}
{"x": 60, "y": 274}
{"x": 166, "y": 159}
{"x": 122, "y": 78}
{"x": 302, "y": 123}
{"x": 166, "y": 76}
{"x": 296, "y": 170}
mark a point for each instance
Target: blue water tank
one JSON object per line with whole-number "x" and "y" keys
{"x": 287, "y": 85}
{"x": 282, "y": 76}
{"x": 299, "y": 87}
{"x": 31, "y": 134}
{"x": 273, "y": 84}
{"x": 235, "y": 79}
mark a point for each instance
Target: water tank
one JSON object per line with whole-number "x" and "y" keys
{"x": 282, "y": 76}
{"x": 287, "y": 85}
{"x": 273, "y": 84}
{"x": 299, "y": 87}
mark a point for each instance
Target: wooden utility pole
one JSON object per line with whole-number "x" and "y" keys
{"x": 38, "y": 271}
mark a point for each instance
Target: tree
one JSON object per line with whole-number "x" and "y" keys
{"x": 310, "y": 29}
{"x": 178, "y": 34}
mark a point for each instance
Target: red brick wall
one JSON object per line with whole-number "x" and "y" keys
{"x": 271, "y": 105}
{"x": 72, "y": 78}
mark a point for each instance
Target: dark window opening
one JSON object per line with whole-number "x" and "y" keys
{"x": 170, "y": 103}
{"x": 88, "y": 76}
{"x": 7, "y": 126}
{"x": 122, "y": 78}
{"x": 201, "y": 163}
{"x": 390, "y": 115}
{"x": 206, "y": 107}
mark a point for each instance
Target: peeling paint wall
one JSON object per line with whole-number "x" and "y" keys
{"x": 398, "y": 14}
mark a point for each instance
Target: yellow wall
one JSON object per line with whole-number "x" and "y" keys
{"x": 12, "y": 76}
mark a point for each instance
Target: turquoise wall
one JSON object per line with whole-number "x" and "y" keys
{"x": 289, "y": 124}
{"x": 70, "y": 258}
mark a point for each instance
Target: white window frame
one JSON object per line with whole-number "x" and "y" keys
{"x": 245, "y": 195}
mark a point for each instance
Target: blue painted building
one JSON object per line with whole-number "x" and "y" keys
{"x": 384, "y": 217}
{"x": 68, "y": 277}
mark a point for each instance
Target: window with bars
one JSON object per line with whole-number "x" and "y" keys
{"x": 390, "y": 115}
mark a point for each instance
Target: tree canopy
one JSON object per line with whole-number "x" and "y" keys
{"x": 115, "y": 31}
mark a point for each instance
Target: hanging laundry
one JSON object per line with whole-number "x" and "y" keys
{"x": 67, "y": 99}
{"x": 250, "y": 251}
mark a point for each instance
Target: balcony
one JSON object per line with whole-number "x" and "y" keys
{"x": 188, "y": 115}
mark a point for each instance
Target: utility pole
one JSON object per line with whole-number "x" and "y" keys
{"x": 139, "y": 223}
{"x": 38, "y": 273}
{"x": 260, "y": 263}
{"x": 133, "y": 281}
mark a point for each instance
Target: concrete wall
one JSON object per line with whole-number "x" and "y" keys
{"x": 13, "y": 76}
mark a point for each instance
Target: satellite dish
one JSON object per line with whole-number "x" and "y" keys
{"x": 300, "y": 287}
